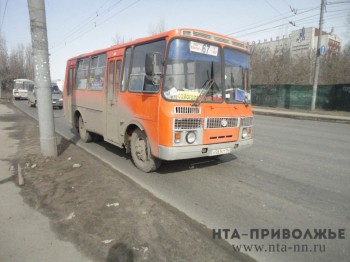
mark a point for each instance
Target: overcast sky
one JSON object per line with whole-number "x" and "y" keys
{"x": 79, "y": 26}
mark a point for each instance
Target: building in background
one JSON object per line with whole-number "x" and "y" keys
{"x": 300, "y": 42}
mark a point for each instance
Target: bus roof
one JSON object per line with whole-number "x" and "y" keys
{"x": 184, "y": 32}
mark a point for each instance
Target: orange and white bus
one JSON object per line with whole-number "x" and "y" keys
{"x": 176, "y": 95}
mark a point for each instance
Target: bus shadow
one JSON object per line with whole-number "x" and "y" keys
{"x": 64, "y": 143}
{"x": 114, "y": 149}
{"x": 195, "y": 163}
{"x": 166, "y": 167}
{"x": 76, "y": 136}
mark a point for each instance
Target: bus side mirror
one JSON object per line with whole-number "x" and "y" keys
{"x": 153, "y": 67}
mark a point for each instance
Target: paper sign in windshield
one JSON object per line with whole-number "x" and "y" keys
{"x": 204, "y": 48}
{"x": 239, "y": 95}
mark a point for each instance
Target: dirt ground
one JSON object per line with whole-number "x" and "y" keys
{"x": 105, "y": 214}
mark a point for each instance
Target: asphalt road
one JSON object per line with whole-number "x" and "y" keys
{"x": 296, "y": 176}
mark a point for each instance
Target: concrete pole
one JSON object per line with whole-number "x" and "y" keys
{"x": 42, "y": 77}
{"x": 317, "y": 62}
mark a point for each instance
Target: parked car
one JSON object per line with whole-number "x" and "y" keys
{"x": 57, "y": 98}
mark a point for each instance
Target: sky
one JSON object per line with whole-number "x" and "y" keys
{"x": 80, "y": 26}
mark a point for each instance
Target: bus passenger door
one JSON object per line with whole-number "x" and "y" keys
{"x": 112, "y": 115}
{"x": 68, "y": 110}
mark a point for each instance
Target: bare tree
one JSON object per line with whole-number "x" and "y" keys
{"x": 347, "y": 24}
{"x": 118, "y": 39}
{"x": 152, "y": 30}
{"x": 270, "y": 67}
{"x": 281, "y": 68}
{"x": 157, "y": 28}
{"x": 17, "y": 64}
{"x": 4, "y": 62}
{"x": 28, "y": 62}
{"x": 301, "y": 69}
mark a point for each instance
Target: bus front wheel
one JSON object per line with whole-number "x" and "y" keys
{"x": 141, "y": 152}
{"x": 85, "y": 135}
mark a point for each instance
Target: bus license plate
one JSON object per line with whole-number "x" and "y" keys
{"x": 220, "y": 151}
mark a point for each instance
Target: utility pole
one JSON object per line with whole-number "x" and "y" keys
{"x": 42, "y": 77}
{"x": 317, "y": 62}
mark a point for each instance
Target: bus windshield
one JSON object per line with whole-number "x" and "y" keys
{"x": 23, "y": 84}
{"x": 193, "y": 72}
{"x": 18, "y": 85}
{"x": 236, "y": 76}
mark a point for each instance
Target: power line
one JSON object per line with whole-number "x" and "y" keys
{"x": 305, "y": 20}
{"x": 280, "y": 25}
{"x": 106, "y": 20}
{"x": 266, "y": 1}
{"x": 272, "y": 21}
{"x": 3, "y": 16}
{"x": 127, "y": 7}
{"x": 77, "y": 36}
{"x": 339, "y": 11}
{"x": 339, "y": 2}
{"x": 86, "y": 23}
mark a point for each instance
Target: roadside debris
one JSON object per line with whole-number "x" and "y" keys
{"x": 71, "y": 216}
{"x": 76, "y": 165}
{"x": 113, "y": 204}
{"x": 20, "y": 176}
{"x": 33, "y": 166}
{"x": 69, "y": 158}
{"x": 107, "y": 241}
{"x": 144, "y": 251}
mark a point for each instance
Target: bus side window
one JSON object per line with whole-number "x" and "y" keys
{"x": 117, "y": 82}
{"x": 127, "y": 61}
{"x": 70, "y": 81}
{"x": 139, "y": 81}
{"x": 97, "y": 72}
{"x": 82, "y": 73}
{"x": 111, "y": 80}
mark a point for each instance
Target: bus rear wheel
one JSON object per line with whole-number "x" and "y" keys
{"x": 141, "y": 152}
{"x": 85, "y": 135}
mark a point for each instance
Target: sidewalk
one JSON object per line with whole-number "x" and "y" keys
{"x": 330, "y": 116}
{"x": 25, "y": 234}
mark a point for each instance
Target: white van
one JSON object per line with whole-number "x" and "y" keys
{"x": 21, "y": 87}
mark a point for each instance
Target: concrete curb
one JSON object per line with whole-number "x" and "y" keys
{"x": 302, "y": 116}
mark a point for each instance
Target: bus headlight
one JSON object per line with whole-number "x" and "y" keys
{"x": 244, "y": 133}
{"x": 191, "y": 137}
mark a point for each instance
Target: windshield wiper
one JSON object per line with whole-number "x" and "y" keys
{"x": 208, "y": 84}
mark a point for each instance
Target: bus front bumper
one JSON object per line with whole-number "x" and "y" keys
{"x": 186, "y": 152}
